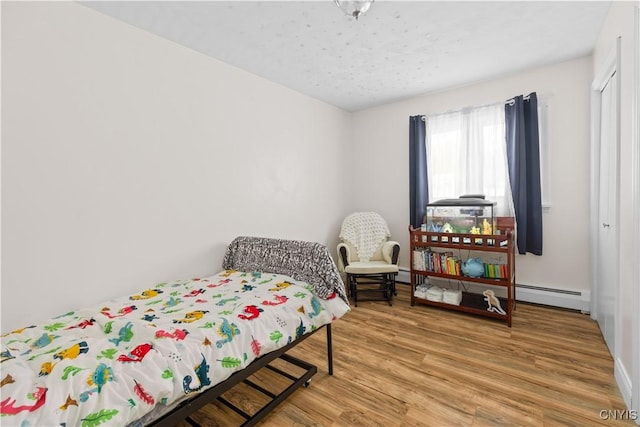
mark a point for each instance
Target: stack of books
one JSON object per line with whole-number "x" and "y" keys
{"x": 436, "y": 262}
{"x": 419, "y": 259}
{"x": 495, "y": 271}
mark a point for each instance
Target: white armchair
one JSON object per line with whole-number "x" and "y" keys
{"x": 367, "y": 256}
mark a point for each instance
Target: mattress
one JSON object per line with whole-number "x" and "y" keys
{"x": 111, "y": 364}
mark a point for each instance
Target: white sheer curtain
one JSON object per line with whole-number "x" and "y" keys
{"x": 466, "y": 154}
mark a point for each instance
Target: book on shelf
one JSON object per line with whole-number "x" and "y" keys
{"x": 495, "y": 271}
{"x": 424, "y": 259}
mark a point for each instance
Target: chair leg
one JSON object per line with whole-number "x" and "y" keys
{"x": 386, "y": 281}
{"x": 355, "y": 291}
{"x": 393, "y": 280}
{"x": 353, "y": 287}
{"x": 389, "y": 285}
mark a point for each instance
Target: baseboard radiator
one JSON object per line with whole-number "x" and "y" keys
{"x": 564, "y": 298}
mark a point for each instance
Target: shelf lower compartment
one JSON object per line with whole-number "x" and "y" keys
{"x": 493, "y": 281}
{"x": 473, "y": 303}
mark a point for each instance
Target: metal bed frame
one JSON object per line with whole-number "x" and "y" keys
{"x": 187, "y": 408}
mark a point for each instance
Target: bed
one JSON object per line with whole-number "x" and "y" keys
{"x": 156, "y": 356}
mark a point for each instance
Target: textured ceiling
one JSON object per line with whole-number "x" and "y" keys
{"x": 397, "y": 50}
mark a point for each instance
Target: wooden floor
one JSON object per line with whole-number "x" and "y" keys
{"x": 423, "y": 366}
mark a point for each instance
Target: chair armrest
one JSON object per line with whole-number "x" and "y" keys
{"x": 391, "y": 251}
{"x": 343, "y": 256}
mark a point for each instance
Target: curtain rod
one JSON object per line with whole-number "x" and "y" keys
{"x": 507, "y": 102}
{"x": 424, "y": 116}
{"x": 512, "y": 101}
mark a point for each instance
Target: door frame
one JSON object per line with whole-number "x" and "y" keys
{"x": 610, "y": 66}
{"x": 635, "y": 206}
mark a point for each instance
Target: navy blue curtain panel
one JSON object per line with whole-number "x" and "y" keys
{"x": 523, "y": 158}
{"x": 418, "y": 188}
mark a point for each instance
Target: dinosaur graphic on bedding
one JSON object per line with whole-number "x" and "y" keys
{"x": 112, "y": 363}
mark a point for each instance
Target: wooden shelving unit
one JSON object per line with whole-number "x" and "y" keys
{"x": 479, "y": 245}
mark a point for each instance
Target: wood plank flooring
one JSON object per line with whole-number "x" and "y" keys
{"x": 423, "y": 366}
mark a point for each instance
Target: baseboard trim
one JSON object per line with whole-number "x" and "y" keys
{"x": 624, "y": 381}
{"x": 555, "y": 297}
{"x": 403, "y": 275}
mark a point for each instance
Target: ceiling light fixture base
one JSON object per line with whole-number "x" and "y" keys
{"x": 354, "y": 8}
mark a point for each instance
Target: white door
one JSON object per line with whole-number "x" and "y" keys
{"x": 607, "y": 281}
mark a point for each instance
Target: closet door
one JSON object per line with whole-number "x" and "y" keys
{"x": 607, "y": 259}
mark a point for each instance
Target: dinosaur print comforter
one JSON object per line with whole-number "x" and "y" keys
{"x": 113, "y": 363}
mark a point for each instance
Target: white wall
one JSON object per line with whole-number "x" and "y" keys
{"x": 128, "y": 160}
{"x": 620, "y": 23}
{"x": 382, "y": 177}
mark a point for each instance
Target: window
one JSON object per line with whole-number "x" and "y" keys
{"x": 466, "y": 154}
